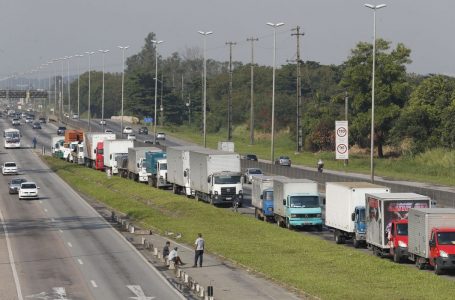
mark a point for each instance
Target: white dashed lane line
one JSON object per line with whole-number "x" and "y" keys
{"x": 93, "y": 283}
{"x": 80, "y": 261}
{"x": 70, "y": 245}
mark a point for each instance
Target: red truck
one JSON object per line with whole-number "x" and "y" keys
{"x": 99, "y": 161}
{"x": 398, "y": 240}
{"x": 94, "y": 148}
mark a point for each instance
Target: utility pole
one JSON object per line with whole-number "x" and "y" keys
{"x": 346, "y": 99}
{"x": 230, "y": 91}
{"x": 252, "y": 40}
{"x": 161, "y": 102}
{"x": 299, "y": 130}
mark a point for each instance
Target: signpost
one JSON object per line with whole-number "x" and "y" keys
{"x": 341, "y": 140}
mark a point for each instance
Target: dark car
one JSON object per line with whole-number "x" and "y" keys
{"x": 283, "y": 161}
{"x": 42, "y": 120}
{"x": 15, "y": 184}
{"x": 251, "y": 157}
{"x": 61, "y": 130}
{"x": 36, "y": 125}
{"x": 143, "y": 130}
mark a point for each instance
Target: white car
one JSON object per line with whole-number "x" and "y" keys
{"x": 131, "y": 136}
{"x": 127, "y": 130}
{"x": 160, "y": 136}
{"x": 75, "y": 116}
{"x": 102, "y": 122}
{"x": 28, "y": 190}
{"x": 9, "y": 168}
{"x": 250, "y": 172}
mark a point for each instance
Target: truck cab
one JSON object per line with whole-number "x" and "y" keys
{"x": 360, "y": 227}
{"x": 225, "y": 187}
{"x": 442, "y": 249}
{"x": 303, "y": 210}
{"x": 161, "y": 168}
{"x": 398, "y": 240}
{"x": 267, "y": 203}
{"x": 99, "y": 161}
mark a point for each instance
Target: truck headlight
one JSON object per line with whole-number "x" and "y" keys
{"x": 443, "y": 254}
{"x": 402, "y": 244}
{"x": 318, "y": 215}
{"x": 293, "y": 216}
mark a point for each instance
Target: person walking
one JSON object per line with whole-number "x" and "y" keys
{"x": 199, "y": 246}
{"x": 34, "y": 142}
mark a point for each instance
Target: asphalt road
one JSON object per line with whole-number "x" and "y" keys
{"x": 60, "y": 247}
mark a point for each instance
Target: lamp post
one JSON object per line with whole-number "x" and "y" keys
{"x": 156, "y": 43}
{"x": 68, "y": 83}
{"x": 374, "y": 8}
{"x": 78, "y": 56}
{"x": 205, "y": 34}
{"x": 123, "y": 48}
{"x": 103, "y": 52}
{"x": 89, "y": 53}
{"x": 55, "y": 86}
{"x": 275, "y": 26}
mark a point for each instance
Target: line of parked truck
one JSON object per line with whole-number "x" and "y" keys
{"x": 403, "y": 226}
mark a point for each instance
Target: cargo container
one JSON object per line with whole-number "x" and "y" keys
{"x": 112, "y": 149}
{"x": 432, "y": 238}
{"x": 345, "y": 209}
{"x": 72, "y": 135}
{"x": 387, "y": 221}
{"x": 296, "y": 203}
{"x": 262, "y": 197}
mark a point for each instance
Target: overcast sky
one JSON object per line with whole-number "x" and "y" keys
{"x": 33, "y": 32}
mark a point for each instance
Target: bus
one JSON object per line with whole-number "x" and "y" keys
{"x": 12, "y": 138}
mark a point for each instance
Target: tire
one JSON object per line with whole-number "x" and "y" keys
{"x": 396, "y": 257}
{"x": 437, "y": 269}
{"x": 356, "y": 242}
{"x": 338, "y": 237}
{"x": 288, "y": 224}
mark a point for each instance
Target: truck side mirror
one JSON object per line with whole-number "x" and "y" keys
{"x": 94, "y": 151}
{"x": 208, "y": 179}
{"x": 284, "y": 201}
{"x": 138, "y": 165}
{"x": 185, "y": 174}
{"x": 432, "y": 243}
{"x": 262, "y": 197}
{"x": 353, "y": 217}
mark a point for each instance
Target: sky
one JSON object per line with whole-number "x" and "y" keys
{"x": 33, "y": 32}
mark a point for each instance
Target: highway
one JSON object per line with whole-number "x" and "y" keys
{"x": 58, "y": 247}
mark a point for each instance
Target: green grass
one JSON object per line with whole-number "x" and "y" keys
{"x": 308, "y": 263}
{"x": 434, "y": 166}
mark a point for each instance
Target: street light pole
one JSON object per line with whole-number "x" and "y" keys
{"x": 374, "y": 8}
{"x": 205, "y": 34}
{"x": 275, "y": 26}
{"x": 78, "y": 85}
{"x": 102, "y": 97}
{"x": 89, "y": 53}
{"x": 123, "y": 48}
{"x": 156, "y": 43}
{"x": 69, "y": 86}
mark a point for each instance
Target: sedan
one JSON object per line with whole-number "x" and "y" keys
{"x": 283, "y": 161}
{"x": 252, "y": 157}
{"x": 28, "y": 120}
{"x": 15, "y": 184}
{"x": 9, "y": 168}
{"x": 28, "y": 190}
{"x": 251, "y": 172}
{"x": 102, "y": 122}
{"x": 160, "y": 136}
{"x": 61, "y": 130}
{"x": 42, "y": 120}
{"x": 16, "y": 122}
{"x": 131, "y": 136}
{"x": 127, "y": 130}
{"x": 36, "y": 125}
{"x": 108, "y": 131}
{"x": 143, "y": 130}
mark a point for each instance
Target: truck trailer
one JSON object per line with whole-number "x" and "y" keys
{"x": 93, "y": 148}
{"x": 136, "y": 163}
{"x": 387, "y": 222}
{"x": 296, "y": 203}
{"x": 262, "y": 197}
{"x": 112, "y": 149}
{"x": 215, "y": 176}
{"x": 345, "y": 209}
{"x": 178, "y": 169}
{"x": 432, "y": 238}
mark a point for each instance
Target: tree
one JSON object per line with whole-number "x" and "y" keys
{"x": 391, "y": 89}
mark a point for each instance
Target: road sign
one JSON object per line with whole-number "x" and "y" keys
{"x": 148, "y": 120}
{"x": 341, "y": 140}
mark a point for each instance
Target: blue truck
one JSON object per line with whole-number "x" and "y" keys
{"x": 156, "y": 168}
{"x": 262, "y": 197}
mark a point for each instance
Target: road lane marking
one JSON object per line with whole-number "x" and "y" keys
{"x": 70, "y": 245}
{"x": 11, "y": 259}
{"x": 80, "y": 261}
{"x": 61, "y": 231}
{"x": 41, "y": 202}
{"x": 93, "y": 283}
{"x": 52, "y": 220}
{"x": 45, "y": 210}
{"x": 137, "y": 290}
{"x": 60, "y": 293}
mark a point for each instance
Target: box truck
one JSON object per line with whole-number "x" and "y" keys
{"x": 112, "y": 149}
{"x": 178, "y": 169}
{"x": 296, "y": 203}
{"x": 345, "y": 209}
{"x": 432, "y": 238}
{"x": 93, "y": 148}
{"x": 387, "y": 222}
{"x": 215, "y": 176}
{"x": 136, "y": 168}
{"x": 262, "y": 197}
{"x": 227, "y": 146}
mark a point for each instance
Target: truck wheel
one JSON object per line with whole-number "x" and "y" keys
{"x": 338, "y": 237}
{"x": 355, "y": 242}
{"x": 396, "y": 257}
{"x": 288, "y": 224}
{"x": 419, "y": 265}
{"x": 437, "y": 269}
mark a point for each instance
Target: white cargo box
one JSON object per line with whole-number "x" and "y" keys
{"x": 283, "y": 187}
{"x": 178, "y": 162}
{"x": 114, "y": 147}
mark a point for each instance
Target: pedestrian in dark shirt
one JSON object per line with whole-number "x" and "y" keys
{"x": 166, "y": 249}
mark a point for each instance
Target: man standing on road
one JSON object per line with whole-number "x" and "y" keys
{"x": 34, "y": 142}
{"x": 199, "y": 250}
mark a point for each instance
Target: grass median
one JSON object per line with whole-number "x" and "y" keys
{"x": 308, "y": 263}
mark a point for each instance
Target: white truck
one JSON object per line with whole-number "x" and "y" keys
{"x": 216, "y": 176}
{"x": 136, "y": 163}
{"x": 77, "y": 152}
{"x": 178, "y": 169}
{"x": 262, "y": 197}
{"x": 226, "y": 146}
{"x": 56, "y": 142}
{"x": 431, "y": 238}
{"x": 296, "y": 203}
{"x": 112, "y": 149}
{"x": 91, "y": 140}
{"x": 345, "y": 209}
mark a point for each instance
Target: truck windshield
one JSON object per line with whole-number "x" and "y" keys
{"x": 163, "y": 167}
{"x": 402, "y": 229}
{"x": 446, "y": 238}
{"x": 268, "y": 195}
{"x": 304, "y": 201}
{"x": 227, "y": 179}
{"x": 99, "y": 151}
{"x": 361, "y": 215}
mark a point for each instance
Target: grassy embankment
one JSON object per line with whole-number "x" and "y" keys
{"x": 435, "y": 166}
{"x": 308, "y": 263}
